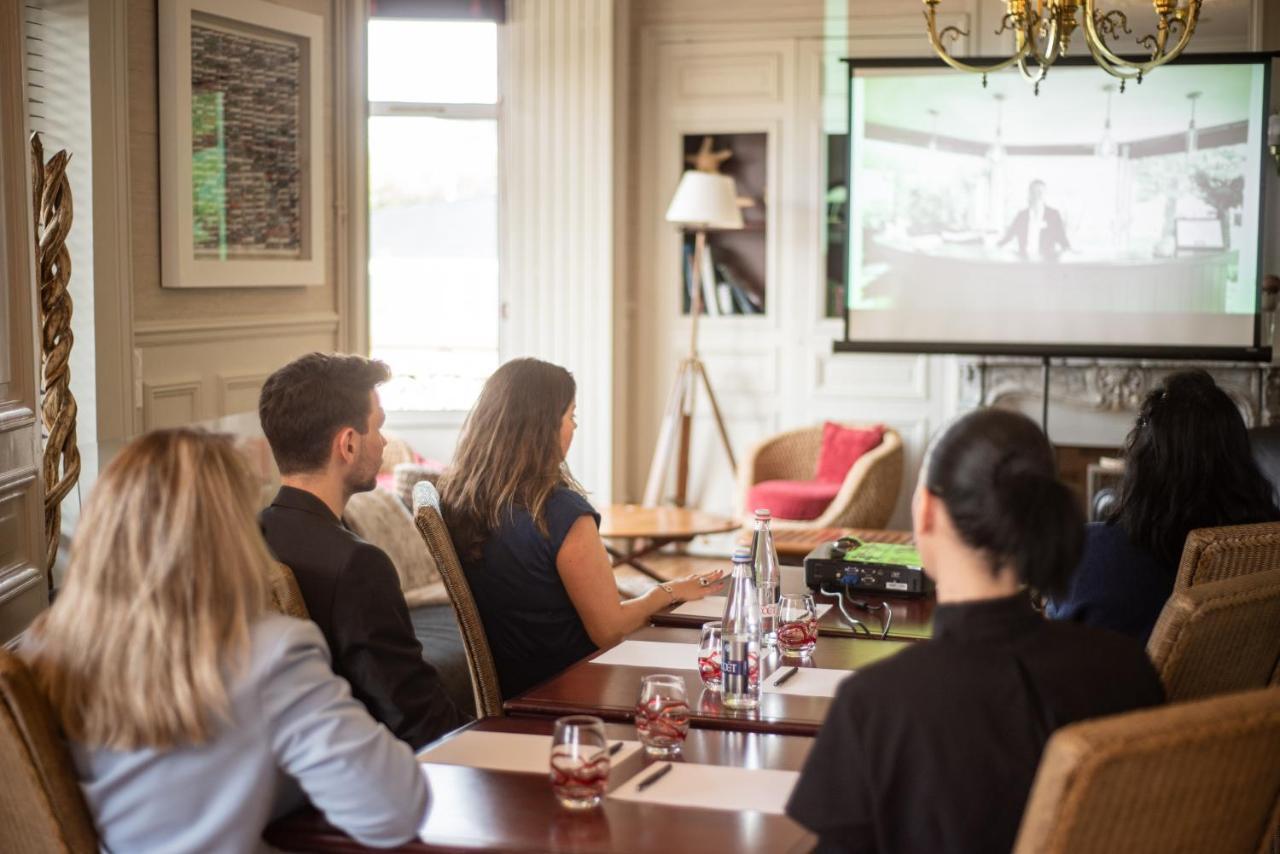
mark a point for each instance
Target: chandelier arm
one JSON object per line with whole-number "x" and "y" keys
{"x": 1114, "y": 71}
{"x": 1098, "y": 46}
{"x": 946, "y": 57}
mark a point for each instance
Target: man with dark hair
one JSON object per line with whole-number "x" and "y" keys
{"x": 1038, "y": 228}
{"x": 322, "y": 417}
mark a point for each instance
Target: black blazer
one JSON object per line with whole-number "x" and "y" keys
{"x": 1053, "y": 237}
{"x": 353, "y": 594}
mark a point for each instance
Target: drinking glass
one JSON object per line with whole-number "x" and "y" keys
{"x": 662, "y": 714}
{"x": 797, "y": 625}
{"x": 579, "y": 762}
{"x": 709, "y": 655}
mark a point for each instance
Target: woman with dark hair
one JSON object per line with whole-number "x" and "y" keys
{"x": 935, "y": 748}
{"x": 1187, "y": 465}
{"x": 528, "y": 538}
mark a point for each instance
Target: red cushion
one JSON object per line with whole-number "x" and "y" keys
{"x": 791, "y": 499}
{"x": 841, "y": 447}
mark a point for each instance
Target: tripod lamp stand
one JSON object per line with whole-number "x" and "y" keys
{"x": 703, "y": 200}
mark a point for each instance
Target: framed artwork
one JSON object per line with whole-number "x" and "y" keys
{"x": 242, "y": 191}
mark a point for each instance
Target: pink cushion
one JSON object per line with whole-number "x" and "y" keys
{"x": 841, "y": 448}
{"x": 791, "y": 499}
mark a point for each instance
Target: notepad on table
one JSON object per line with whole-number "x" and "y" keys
{"x": 712, "y": 607}
{"x": 713, "y": 787}
{"x": 519, "y": 752}
{"x": 807, "y": 681}
{"x": 654, "y": 655}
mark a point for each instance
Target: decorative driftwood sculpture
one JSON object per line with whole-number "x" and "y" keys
{"x": 52, "y": 206}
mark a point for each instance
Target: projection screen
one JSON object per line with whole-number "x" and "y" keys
{"x": 1083, "y": 221}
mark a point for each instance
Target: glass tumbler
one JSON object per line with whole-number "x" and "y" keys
{"x": 797, "y": 625}
{"x": 662, "y": 714}
{"x": 579, "y": 762}
{"x": 709, "y": 655}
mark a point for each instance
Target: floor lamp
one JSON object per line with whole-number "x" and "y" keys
{"x": 703, "y": 200}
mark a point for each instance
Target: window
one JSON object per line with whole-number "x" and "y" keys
{"x": 433, "y": 209}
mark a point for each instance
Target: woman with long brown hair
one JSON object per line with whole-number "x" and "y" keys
{"x": 193, "y": 714}
{"x": 529, "y": 539}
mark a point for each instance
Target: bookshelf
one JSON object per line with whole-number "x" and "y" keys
{"x": 736, "y": 258}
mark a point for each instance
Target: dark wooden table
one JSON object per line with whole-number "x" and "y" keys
{"x": 912, "y": 618}
{"x": 610, "y": 691}
{"x": 475, "y": 809}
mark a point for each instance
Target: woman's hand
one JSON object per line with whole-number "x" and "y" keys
{"x": 699, "y": 584}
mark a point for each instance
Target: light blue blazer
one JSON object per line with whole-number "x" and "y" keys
{"x": 294, "y": 730}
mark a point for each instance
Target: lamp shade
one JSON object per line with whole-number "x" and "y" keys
{"x": 705, "y": 200}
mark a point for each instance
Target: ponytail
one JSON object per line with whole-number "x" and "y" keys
{"x": 994, "y": 471}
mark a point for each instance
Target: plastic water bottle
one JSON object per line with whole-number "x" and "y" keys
{"x": 740, "y": 638}
{"x": 764, "y": 560}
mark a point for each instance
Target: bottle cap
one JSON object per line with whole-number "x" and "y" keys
{"x": 742, "y": 554}
{"x": 763, "y": 513}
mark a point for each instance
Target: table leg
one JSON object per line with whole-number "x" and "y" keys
{"x": 632, "y": 556}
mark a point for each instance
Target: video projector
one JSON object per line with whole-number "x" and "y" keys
{"x": 857, "y": 566}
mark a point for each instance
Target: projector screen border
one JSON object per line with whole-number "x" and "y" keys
{"x": 1055, "y": 351}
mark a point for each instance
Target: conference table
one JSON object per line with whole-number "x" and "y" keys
{"x": 610, "y": 690}
{"x": 904, "y": 617}
{"x": 477, "y": 808}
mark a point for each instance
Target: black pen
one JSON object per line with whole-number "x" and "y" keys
{"x": 784, "y": 677}
{"x": 654, "y": 777}
{"x": 613, "y": 750}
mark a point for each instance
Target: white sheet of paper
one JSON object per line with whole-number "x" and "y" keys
{"x": 713, "y": 608}
{"x": 715, "y": 787}
{"x": 652, "y": 655}
{"x": 808, "y": 681}
{"x": 505, "y": 751}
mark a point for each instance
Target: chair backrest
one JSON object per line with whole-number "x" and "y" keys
{"x": 286, "y": 598}
{"x": 484, "y": 673}
{"x": 1202, "y": 776}
{"x": 1214, "y": 554}
{"x": 41, "y": 807}
{"x": 1219, "y": 637}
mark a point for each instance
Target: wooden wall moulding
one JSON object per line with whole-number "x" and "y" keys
{"x": 1116, "y": 385}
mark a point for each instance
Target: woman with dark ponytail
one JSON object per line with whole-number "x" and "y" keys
{"x": 1188, "y": 465}
{"x": 935, "y": 749}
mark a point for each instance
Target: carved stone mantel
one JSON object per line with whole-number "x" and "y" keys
{"x": 1114, "y": 385}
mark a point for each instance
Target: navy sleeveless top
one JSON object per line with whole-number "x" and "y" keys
{"x": 533, "y": 629}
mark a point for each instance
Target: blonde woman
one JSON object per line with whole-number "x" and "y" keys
{"x": 194, "y": 716}
{"x": 529, "y": 539}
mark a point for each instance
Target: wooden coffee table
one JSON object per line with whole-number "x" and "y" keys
{"x": 648, "y": 529}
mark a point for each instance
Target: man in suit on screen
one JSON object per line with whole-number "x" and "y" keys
{"x": 1038, "y": 228}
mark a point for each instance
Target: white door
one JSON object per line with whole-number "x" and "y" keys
{"x": 23, "y": 588}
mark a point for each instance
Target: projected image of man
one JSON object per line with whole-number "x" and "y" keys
{"x": 1038, "y": 228}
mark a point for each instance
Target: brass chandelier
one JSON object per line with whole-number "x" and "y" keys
{"x": 1042, "y": 31}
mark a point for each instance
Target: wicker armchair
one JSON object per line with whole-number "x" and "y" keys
{"x": 286, "y": 597}
{"x": 41, "y": 807}
{"x": 484, "y": 673}
{"x": 1213, "y": 554}
{"x": 1219, "y": 637}
{"x": 867, "y": 496}
{"x": 1187, "y": 777}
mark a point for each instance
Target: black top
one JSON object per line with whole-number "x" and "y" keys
{"x": 1117, "y": 585}
{"x": 533, "y": 629}
{"x": 934, "y": 750}
{"x": 353, "y": 594}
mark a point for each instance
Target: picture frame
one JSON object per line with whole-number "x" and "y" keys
{"x": 242, "y": 145}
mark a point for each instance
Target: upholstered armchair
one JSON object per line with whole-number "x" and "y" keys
{"x": 864, "y": 499}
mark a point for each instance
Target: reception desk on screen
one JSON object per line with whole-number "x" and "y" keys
{"x": 963, "y": 277}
